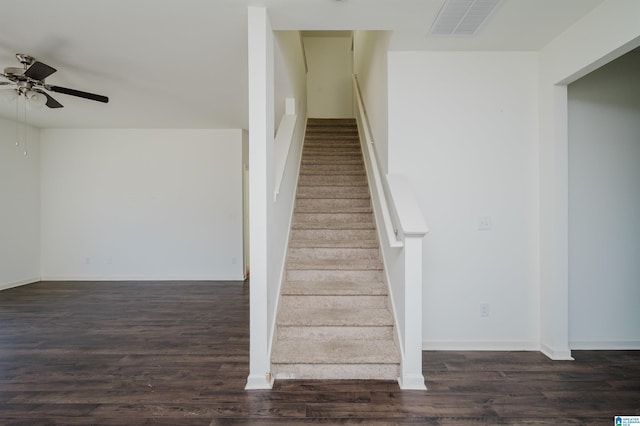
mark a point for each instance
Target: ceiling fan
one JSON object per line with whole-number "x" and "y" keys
{"x": 29, "y": 82}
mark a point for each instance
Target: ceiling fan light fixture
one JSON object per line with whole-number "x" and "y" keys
{"x": 36, "y": 99}
{"x": 9, "y": 95}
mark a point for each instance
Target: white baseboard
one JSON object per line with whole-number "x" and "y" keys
{"x": 605, "y": 345}
{"x": 556, "y": 355}
{"x": 13, "y": 284}
{"x": 412, "y": 382}
{"x": 238, "y": 277}
{"x": 432, "y": 345}
{"x": 259, "y": 381}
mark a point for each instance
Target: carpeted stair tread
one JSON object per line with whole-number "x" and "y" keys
{"x": 337, "y": 351}
{"x": 336, "y": 317}
{"x": 332, "y": 288}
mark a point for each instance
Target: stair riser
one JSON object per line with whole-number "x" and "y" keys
{"x": 335, "y": 265}
{"x": 332, "y": 253}
{"x": 330, "y": 235}
{"x": 333, "y": 218}
{"x": 333, "y": 191}
{"x": 335, "y": 371}
{"x": 334, "y": 302}
{"x": 332, "y": 168}
{"x": 309, "y": 180}
{"x": 315, "y": 205}
{"x": 357, "y": 164}
{"x": 328, "y": 276}
{"x": 334, "y": 288}
{"x": 337, "y": 244}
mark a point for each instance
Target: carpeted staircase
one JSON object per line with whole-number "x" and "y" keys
{"x": 334, "y": 320}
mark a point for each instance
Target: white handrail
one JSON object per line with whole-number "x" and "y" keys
{"x": 390, "y": 230}
{"x": 282, "y": 143}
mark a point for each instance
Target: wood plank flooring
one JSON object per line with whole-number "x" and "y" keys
{"x": 176, "y": 353}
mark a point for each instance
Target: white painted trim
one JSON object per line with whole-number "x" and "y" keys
{"x": 381, "y": 209}
{"x": 259, "y": 382}
{"x": 260, "y": 59}
{"x": 406, "y": 206}
{"x": 283, "y": 267}
{"x": 524, "y": 345}
{"x": 564, "y": 355}
{"x": 606, "y": 345}
{"x": 19, "y": 283}
{"x": 282, "y": 146}
{"x": 412, "y": 382}
{"x": 238, "y": 277}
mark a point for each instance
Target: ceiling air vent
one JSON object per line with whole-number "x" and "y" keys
{"x": 462, "y": 17}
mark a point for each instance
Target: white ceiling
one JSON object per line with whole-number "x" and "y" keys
{"x": 183, "y": 63}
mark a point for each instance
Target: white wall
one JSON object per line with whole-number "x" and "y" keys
{"x": 463, "y": 128}
{"x": 370, "y": 64}
{"x": 329, "y": 87}
{"x": 289, "y": 82}
{"x": 141, "y": 204}
{"x": 604, "y": 34}
{"x": 19, "y": 206}
{"x": 604, "y": 207}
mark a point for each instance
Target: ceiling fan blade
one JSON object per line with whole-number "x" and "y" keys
{"x": 39, "y": 71}
{"x": 78, "y": 93}
{"x": 51, "y": 103}
{"x": 3, "y": 83}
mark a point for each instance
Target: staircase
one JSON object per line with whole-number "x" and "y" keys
{"x": 334, "y": 320}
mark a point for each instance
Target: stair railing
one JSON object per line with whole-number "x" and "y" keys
{"x": 373, "y": 169}
{"x": 282, "y": 142}
{"x": 397, "y": 211}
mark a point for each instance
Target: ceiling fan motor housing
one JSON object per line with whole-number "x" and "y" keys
{"x": 13, "y": 71}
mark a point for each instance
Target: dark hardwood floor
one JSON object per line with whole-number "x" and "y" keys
{"x": 177, "y": 354}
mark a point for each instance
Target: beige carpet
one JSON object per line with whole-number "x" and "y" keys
{"x": 334, "y": 320}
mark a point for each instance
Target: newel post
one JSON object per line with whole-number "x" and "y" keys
{"x": 412, "y": 230}
{"x": 411, "y": 374}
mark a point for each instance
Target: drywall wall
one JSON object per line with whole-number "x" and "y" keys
{"x": 608, "y": 31}
{"x": 370, "y": 65}
{"x": 141, "y": 204}
{"x": 289, "y": 82}
{"x": 604, "y": 207}
{"x": 19, "y": 205}
{"x": 329, "y": 87}
{"x": 467, "y": 142}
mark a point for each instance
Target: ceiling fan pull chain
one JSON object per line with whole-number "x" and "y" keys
{"x": 25, "y": 126}
{"x": 17, "y": 122}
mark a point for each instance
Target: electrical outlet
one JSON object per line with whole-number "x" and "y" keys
{"x": 484, "y": 310}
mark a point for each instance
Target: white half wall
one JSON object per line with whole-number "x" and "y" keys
{"x": 135, "y": 204}
{"x": 329, "y": 87}
{"x": 463, "y": 128}
{"x": 19, "y": 206}
{"x": 604, "y": 207}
